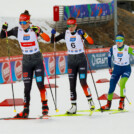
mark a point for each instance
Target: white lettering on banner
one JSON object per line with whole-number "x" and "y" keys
{"x": 99, "y": 59}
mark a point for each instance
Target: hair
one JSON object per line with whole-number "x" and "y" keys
{"x": 26, "y": 12}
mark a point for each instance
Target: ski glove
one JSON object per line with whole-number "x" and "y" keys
{"x": 110, "y": 71}
{"x": 80, "y": 32}
{"x": 5, "y": 26}
{"x": 36, "y": 29}
{"x": 53, "y": 31}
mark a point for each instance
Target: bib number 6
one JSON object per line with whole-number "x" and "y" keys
{"x": 73, "y": 45}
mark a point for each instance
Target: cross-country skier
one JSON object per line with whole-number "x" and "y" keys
{"x": 77, "y": 62}
{"x": 32, "y": 59}
{"x": 122, "y": 69}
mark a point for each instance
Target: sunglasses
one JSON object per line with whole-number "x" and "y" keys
{"x": 72, "y": 25}
{"x": 23, "y": 22}
{"x": 119, "y": 40}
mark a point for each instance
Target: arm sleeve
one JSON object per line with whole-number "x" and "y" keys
{"x": 130, "y": 51}
{"x": 110, "y": 54}
{"x": 57, "y": 38}
{"x": 12, "y": 32}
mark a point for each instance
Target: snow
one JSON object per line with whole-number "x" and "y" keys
{"x": 102, "y": 123}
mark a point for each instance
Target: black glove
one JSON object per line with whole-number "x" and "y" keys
{"x": 5, "y": 26}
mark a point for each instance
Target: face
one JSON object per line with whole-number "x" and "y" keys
{"x": 24, "y": 25}
{"x": 120, "y": 44}
{"x": 72, "y": 28}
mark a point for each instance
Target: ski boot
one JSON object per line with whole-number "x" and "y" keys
{"x": 91, "y": 104}
{"x": 107, "y": 106}
{"x": 73, "y": 109}
{"x": 121, "y": 103}
{"x": 24, "y": 113}
{"x": 44, "y": 108}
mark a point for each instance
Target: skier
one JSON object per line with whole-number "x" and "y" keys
{"x": 122, "y": 68}
{"x": 77, "y": 62}
{"x": 32, "y": 59}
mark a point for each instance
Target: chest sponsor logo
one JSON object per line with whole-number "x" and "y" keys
{"x": 120, "y": 54}
{"x": 27, "y": 44}
{"x": 26, "y": 37}
{"x": 72, "y": 38}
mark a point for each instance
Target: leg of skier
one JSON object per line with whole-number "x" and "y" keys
{"x": 83, "y": 80}
{"x": 123, "y": 81}
{"x": 39, "y": 73}
{"x": 72, "y": 73}
{"x": 27, "y": 78}
{"x": 113, "y": 82}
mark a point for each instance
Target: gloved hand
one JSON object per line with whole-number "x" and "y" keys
{"x": 5, "y": 26}
{"x": 36, "y": 29}
{"x": 110, "y": 71}
{"x": 53, "y": 31}
{"x": 80, "y": 32}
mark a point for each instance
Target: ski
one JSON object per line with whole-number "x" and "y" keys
{"x": 30, "y": 118}
{"x": 118, "y": 111}
{"x": 97, "y": 110}
{"x": 60, "y": 115}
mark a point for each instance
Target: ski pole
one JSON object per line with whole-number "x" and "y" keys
{"x": 126, "y": 96}
{"x": 55, "y": 73}
{"x": 50, "y": 87}
{"x": 10, "y": 71}
{"x": 92, "y": 77}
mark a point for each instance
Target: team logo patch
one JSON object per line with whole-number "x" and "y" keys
{"x": 69, "y": 71}
{"x": 39, "y": 79}
{"x": 82, "y": 76}
{"x": 25, "y": 74}
{"x": 120, "y": 54}
{"x": 73, "y": 38}
{"x": 26, "y": 37}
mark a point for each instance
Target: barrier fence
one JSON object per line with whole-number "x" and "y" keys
{"x": 97, "y": 59}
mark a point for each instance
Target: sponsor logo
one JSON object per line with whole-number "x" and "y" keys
{"x": 39, "y": 79}
{"x": 25, "y": 74}
{"x": 5, "y": 72}
{"x": 82, "y": 68}
{"x": 69, "y": 71}
{"x": 73, "y": 38}
{"x": 99, "y": 59}
{"x": 120, "y": 54}
{"x": 18, "y": 69}
{"x": 51, "y": 65}
{"x": 62, "y": 64}
{"x": 27, "y": 44}
{"x": 82, "y": 76}
{"x": 35, "y": 49}
{"x": 38, "y": 70}
{"x": 26, "y": 37}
